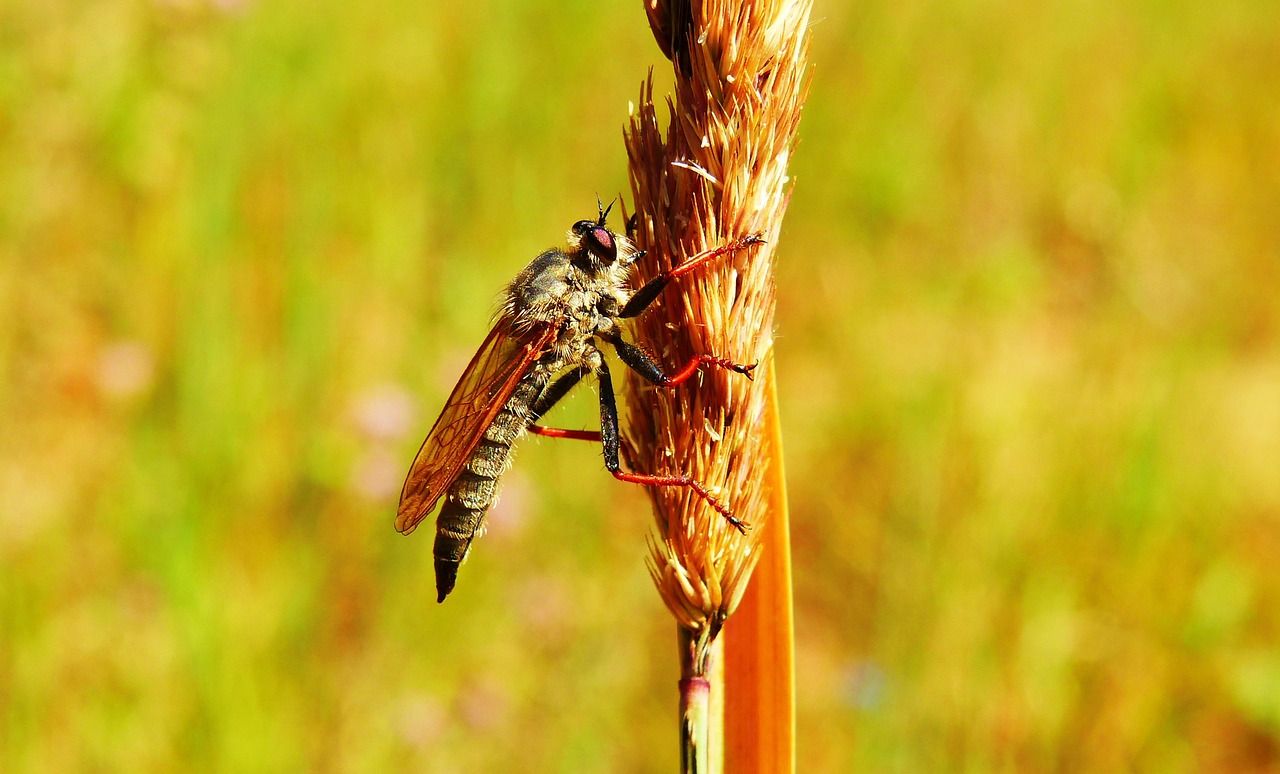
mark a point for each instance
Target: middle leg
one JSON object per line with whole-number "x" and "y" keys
{"x": 642, "y": 363}
{"x": 610, "y": 441}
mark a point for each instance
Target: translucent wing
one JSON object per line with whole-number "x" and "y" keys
{"x": 489, "y": 380}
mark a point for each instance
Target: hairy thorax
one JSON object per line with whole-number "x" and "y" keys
{"x": 579, "y": 299}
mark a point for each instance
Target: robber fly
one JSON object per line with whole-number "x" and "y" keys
{"x": 553, "y": 316}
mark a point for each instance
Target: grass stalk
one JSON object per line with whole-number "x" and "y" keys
{"x": 701, "y": 709}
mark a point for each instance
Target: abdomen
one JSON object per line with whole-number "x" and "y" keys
{"x": 473, "y": 492}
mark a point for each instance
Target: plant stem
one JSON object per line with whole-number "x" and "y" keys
{"x": 701, "y": 703}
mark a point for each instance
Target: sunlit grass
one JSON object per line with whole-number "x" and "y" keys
{"x": 1026, "y": 356}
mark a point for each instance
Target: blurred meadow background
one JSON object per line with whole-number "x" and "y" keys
{"x": 1029, "y": 359}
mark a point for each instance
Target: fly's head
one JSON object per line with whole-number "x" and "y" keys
{"x": 598, "y": 242}
{"x": 606, "y": 251}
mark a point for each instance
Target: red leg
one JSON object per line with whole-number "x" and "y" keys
{"x": 683, "y": 375}
{"x": 555, "y": 432}
{"x": 699, "y": 489}
{"x": 610, "y": 441}
{"x": 653, "y": 288}
{"x": 711, "y": 255}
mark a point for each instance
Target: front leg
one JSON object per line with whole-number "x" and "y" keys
{"x": 640, "y": 362}
{"x": 654, "y": 287}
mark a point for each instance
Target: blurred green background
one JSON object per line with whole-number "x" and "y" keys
{"x": 1029, "y": 353}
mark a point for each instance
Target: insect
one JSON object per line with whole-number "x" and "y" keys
{"x": 545, "y": 339}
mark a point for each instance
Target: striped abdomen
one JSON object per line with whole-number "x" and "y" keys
{"x": 474, "y": 490}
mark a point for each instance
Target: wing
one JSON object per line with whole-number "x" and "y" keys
{"x": 490, "y": 378}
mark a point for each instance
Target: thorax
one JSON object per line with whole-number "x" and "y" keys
{"x": 578, "y": 303}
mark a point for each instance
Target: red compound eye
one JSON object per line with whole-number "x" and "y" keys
{"x": 600, "y": 241}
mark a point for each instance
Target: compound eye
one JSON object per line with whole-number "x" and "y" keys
{"x": 583, "y": 227}
{"x": 600, "y": 242}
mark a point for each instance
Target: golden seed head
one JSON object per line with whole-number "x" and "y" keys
{"x": 718, "y": 173}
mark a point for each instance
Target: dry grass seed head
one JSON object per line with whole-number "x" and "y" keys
{"x": 719, "y": 173}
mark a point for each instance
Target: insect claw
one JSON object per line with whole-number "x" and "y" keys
{"x": 734, "y": 521}
{"x": 738, "y": 368}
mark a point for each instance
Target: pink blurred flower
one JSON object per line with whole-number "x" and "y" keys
{"x": 484, "y": 705}
{"x": 125, "y": 369}
{"x": 422, "y": 720}
{"x": 378, "y": 474}
{"x": 385, "y": 413}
